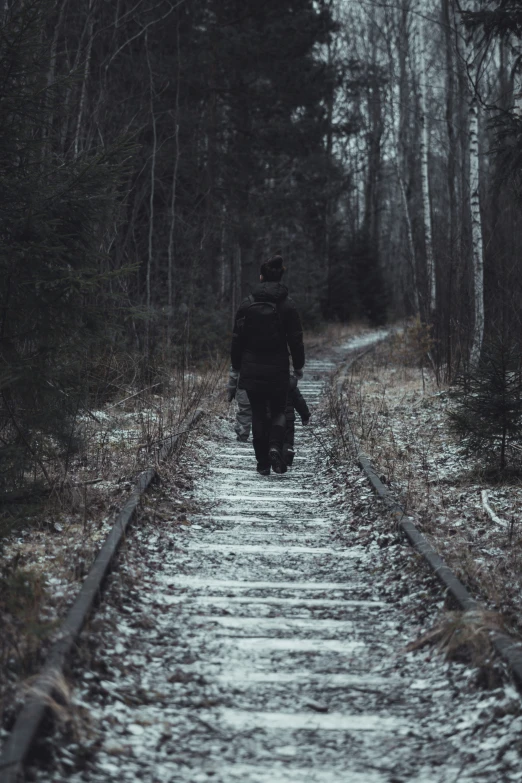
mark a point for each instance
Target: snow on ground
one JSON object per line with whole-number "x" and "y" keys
{"x": 263, "y": 638}
{"x": 357, "y": 342}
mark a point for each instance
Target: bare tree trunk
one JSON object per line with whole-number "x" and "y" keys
{"x": 151, "y": 197}
{"x": 403, "y": 46}
{"x": 424, "y": 157}
{"x": 49, "y": 118}
{"x": 372, "y": 190}
{"x": 83, "y": 92}
{"x": 398, "y": 30}
{"x": 476, "y": 232}
{"x": 236, "y": 279}
{"x": 448, "y": 17}
{"x": 450, "y": 120}
{"x": 170, "y": 262}
{"x": 411, "y": 245}
{"x": 328, "y": 201}
{"x": 222, "y": 261}
{"x": 477, "y": 251}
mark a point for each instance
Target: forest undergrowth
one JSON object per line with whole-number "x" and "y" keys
{"x": 47, "y": 549}
{"x": 398, "y": 413}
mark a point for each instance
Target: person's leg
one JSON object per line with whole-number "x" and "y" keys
{"x": 277, "y": 400}
{"x": 260, "y": 428}
{"x": 243, "y": 416}
{"x": 288, "y": 444}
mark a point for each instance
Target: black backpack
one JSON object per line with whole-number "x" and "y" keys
{"x": 262, "y": 327}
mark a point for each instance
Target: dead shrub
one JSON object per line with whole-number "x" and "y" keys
{"x": 466, "y": 637}
{"x": 413, "y": 345}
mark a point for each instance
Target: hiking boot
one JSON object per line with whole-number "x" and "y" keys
{"x": 263, "y": 470}
{"x": 289, "y": 456}
{"x": 276, "y": 460}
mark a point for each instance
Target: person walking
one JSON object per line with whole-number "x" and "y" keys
{"x": 267, "y": 327}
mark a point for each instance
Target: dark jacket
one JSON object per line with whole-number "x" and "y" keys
{"x": 268, "y": 370}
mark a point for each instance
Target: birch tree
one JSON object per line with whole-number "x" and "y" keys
{"x": 424, "y": 144}
{"x": 448, "y": 18}
{"x": 477, "y": 251}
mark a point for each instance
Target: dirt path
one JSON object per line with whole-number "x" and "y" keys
{"x": 257, "y": 647}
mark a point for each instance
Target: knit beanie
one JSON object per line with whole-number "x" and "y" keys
{"x": 272, "y": 270}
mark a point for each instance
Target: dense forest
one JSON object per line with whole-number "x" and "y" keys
{"x": 154, "y": 152}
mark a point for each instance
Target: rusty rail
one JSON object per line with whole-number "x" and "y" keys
{"x": 17, "y": 748}
{"x": 509, "y": 648}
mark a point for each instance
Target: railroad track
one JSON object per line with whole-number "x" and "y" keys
{"x": 256, "y": 646}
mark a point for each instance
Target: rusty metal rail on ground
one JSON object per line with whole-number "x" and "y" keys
{"x": 16, "y": 751}
{"x": 506, "y": 646}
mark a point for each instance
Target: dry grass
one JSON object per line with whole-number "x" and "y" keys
{"x": 467, "y": 637}
{"x": 397, "y": 411}
{"x": 463, "y": 636}
{"x": 44, "y": 559}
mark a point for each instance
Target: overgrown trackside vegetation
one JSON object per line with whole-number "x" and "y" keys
{"x": 56, "y": 215}
{"x": 487, "y": 407}
{"x": 400, "y": 415}
{"x": 43, "y": 564}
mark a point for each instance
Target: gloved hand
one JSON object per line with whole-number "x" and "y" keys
{"x": 305, "y": 421}
{"x": 298, "y": 374}
{"x": 231, "y": 392}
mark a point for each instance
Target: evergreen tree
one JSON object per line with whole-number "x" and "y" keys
{"x": 54, "y": 216}
{"x": 487, "y": 412}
